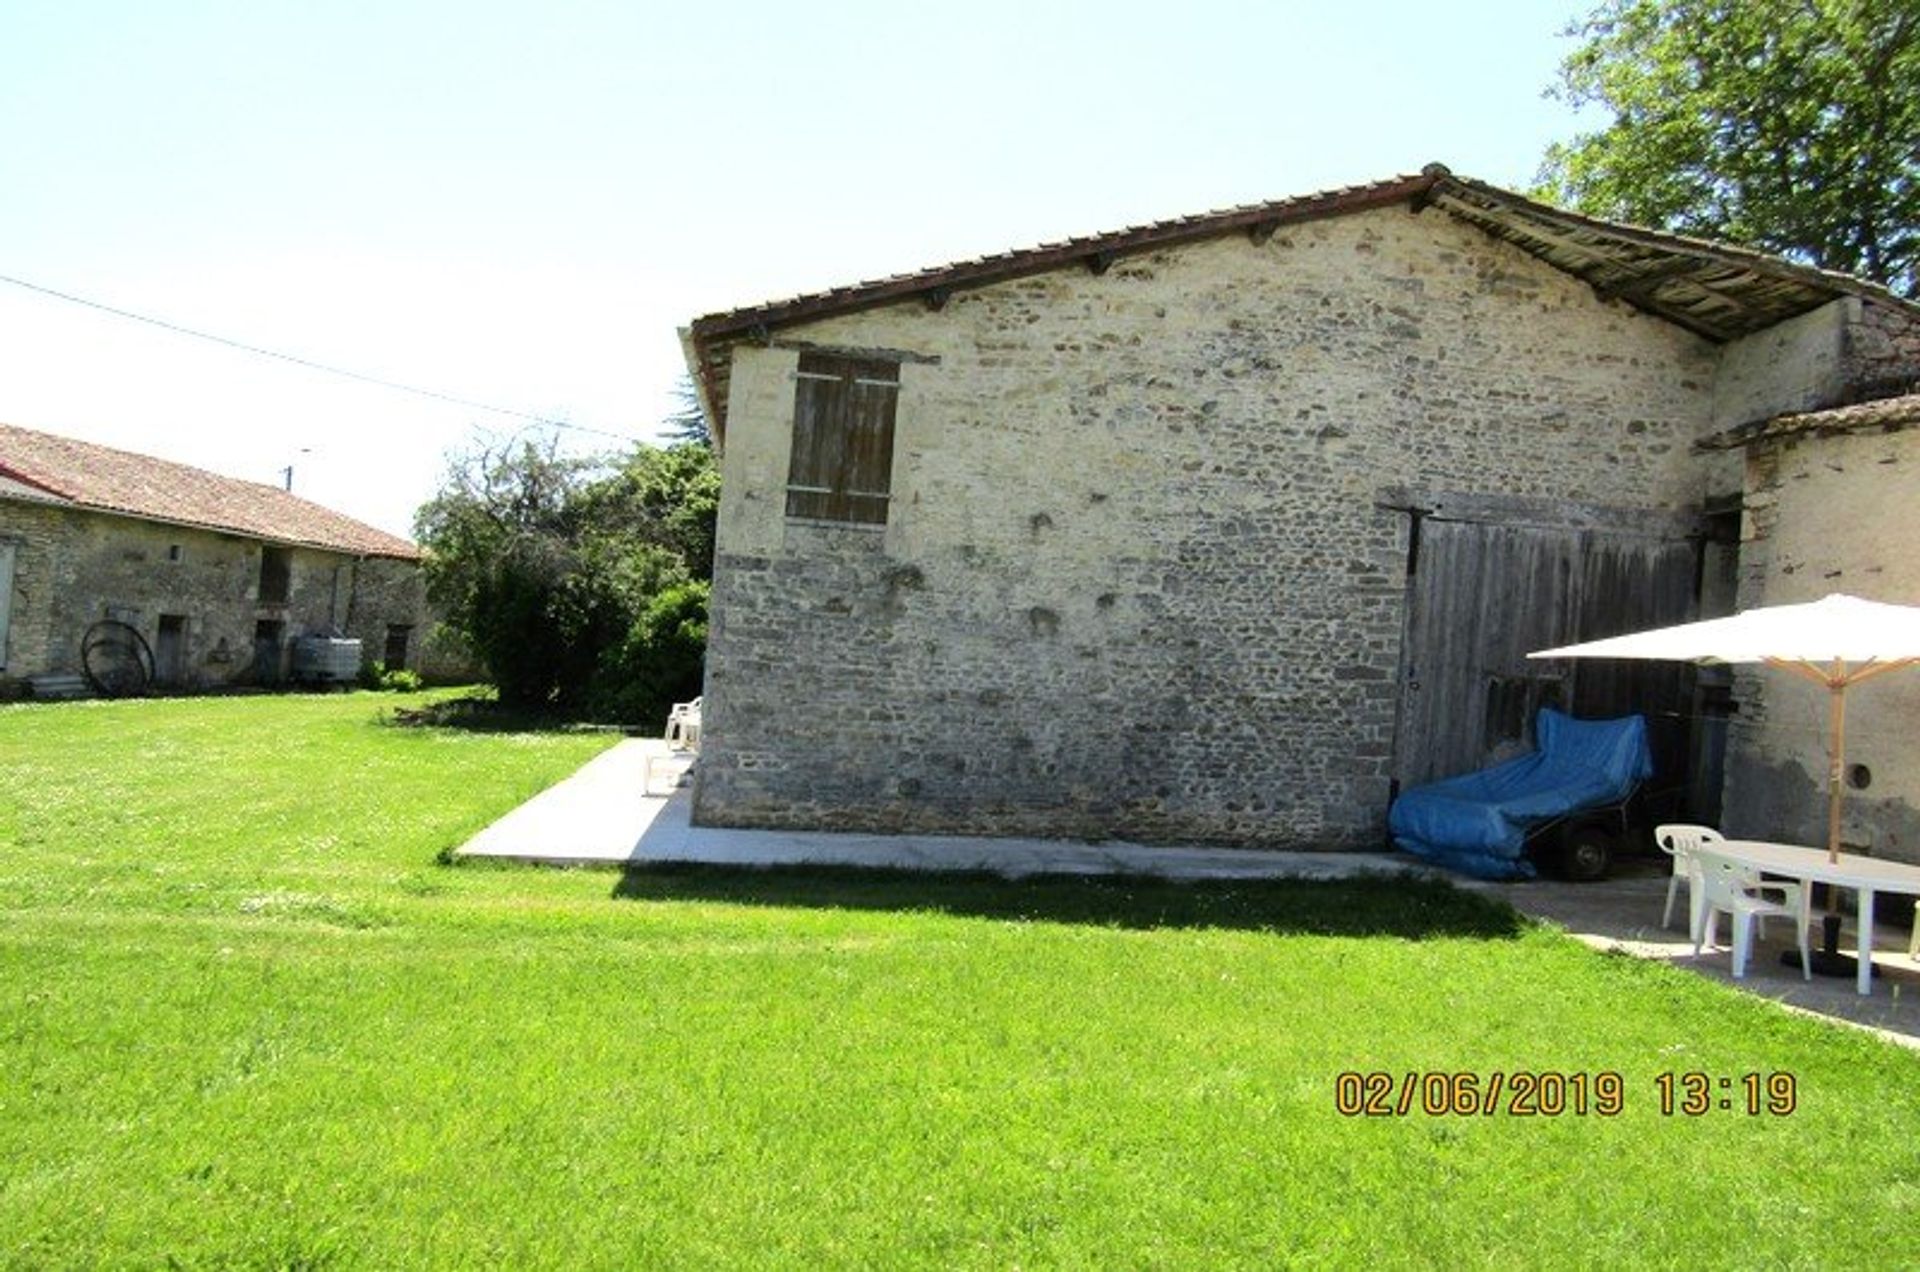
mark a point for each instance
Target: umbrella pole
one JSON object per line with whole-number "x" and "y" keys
{"x": 1828, "y": 960}
{"x": 1836, "y": 754}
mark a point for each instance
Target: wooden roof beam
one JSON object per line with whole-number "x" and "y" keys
{"x": 1643, "y": 283}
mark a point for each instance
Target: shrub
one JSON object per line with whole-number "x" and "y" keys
{"x": 375, "y": 675}
{"x": 658, "y": 663}
{"x": 401, "y": 680}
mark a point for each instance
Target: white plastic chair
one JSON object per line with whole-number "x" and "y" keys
{"x": 1726, "y": 887}
{"x": 1681, "y": 841}
{"x": 683, "y": 726}
{"x": 683, "y": 735}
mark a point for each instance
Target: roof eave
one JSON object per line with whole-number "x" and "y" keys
{"x": 701, "y": 375}
{"x": 207, "y": 527}
{"x": 1024, "y": 263}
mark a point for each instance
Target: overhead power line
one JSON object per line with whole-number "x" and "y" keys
{"x": 311, "y": 365}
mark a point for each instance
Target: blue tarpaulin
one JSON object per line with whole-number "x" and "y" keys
{"x": 1478, "y": 823}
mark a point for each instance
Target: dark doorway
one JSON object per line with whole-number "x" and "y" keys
{"x": 170, "y": 650}
{"x": 399, "y": 635}
{"x": 268, "y": 646}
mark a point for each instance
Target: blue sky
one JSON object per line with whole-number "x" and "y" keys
{"x": 518, "y": 204}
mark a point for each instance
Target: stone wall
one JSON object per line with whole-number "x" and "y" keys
{"x": 1843, "y": 352}
{"x": 1881, "y": 349}
{"x": 35, "y": 532}
{"x": 1797, "y": 365}
{"x": 1839, "y": 513}
{"x": 74, "y": 567}
{"x": 1136, "y": 580}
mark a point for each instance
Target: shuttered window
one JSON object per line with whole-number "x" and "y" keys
{"x": 842, "y": 465}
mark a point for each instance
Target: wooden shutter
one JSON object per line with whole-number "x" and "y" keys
{"x": 842, "y": 463}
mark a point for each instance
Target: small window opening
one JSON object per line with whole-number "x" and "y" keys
{"x": 276, "y": 575}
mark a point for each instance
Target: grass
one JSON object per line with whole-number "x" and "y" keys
{"x": 246, "y": 1020}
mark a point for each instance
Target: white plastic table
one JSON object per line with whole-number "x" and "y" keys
{"x": 1865, "y": 875}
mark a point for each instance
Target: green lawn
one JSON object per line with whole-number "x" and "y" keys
{"x": 247, "y": 1020}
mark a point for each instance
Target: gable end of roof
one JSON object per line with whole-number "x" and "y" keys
{"x": 1715, "y": 290}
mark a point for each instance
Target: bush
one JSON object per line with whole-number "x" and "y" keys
{"x": 658, "y": 663}
{"x": 401, "y": 680}
{"x": 374, "y": 675}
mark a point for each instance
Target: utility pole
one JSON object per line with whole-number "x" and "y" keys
{"x": 286, "y": 474}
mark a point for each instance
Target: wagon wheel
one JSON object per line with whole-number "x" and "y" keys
{"x": 1586, "y": 852}
{"x": 116, "y": 658}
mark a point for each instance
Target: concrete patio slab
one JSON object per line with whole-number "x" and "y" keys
{"x": 630, "y": 807}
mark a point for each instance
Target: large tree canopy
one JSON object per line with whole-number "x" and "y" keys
{"x": 1791, "y": 125}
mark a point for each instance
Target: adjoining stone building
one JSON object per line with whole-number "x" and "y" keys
{"x": 1221, "y": 528}
{"x": 1832, "y": 504}
{"x": 219, "y": 576}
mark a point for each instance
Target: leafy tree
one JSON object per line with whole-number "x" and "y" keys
{"x": 1792, "y": 125}
{"x": 497, "y": 552}
{"x": 668, "y": 497}
{"x": 555, "y": 571}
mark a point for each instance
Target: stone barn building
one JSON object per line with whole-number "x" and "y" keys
{"x": 1219, "y": 529}
{"x": 219, "y": 576}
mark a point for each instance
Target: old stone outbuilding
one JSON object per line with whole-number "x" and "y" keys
{"x": 1222, "y": 528}
{"x": 219, "y": 576}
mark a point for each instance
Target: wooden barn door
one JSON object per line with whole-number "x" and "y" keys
{"x": 1481, "y": 593}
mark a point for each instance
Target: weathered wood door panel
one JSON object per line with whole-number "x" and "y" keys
{"x": 170, "y": 650}
{"x": 1481, "y": 594}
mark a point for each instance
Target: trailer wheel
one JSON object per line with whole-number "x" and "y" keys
{"x": 1586, "y": 852}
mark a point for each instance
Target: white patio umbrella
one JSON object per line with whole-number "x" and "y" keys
{"x": 1836, "y": 642}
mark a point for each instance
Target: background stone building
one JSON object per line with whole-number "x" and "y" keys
{"x": 1221, "y": 528}
{"x": 220, "y": 576}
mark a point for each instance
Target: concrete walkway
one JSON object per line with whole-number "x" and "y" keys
{"x": 611, "y": 814}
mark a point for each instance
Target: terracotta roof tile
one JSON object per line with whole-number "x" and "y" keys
{"x": 99, "y": 477}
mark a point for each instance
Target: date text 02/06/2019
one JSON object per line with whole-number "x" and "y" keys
{"x": 1553, "y": 1093}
